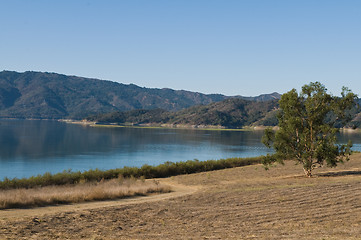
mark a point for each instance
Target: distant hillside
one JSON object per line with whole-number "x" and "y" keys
{"x": 50, "y": 95}
{"x": 229, "y": 113}
{"x": 263, "y": 97}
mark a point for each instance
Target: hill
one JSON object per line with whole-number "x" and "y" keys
{"x": 54, "y": 96}
{"x": 51, "y": 95}
{"x": 263, "y": 97}
{"x": 229, "y": 113}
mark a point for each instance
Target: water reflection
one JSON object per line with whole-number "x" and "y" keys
{"x": 355, "y": 137}
{"x": 43, "y": 139}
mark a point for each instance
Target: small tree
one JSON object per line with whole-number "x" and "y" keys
{"x": 307, "y": 132}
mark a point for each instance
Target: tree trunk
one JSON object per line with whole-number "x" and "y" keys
{"x": 308, "y": 172}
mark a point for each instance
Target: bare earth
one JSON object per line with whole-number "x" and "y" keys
{"x": 238, "y": 203}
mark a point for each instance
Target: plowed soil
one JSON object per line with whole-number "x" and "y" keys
{"x": 238, "y": 203}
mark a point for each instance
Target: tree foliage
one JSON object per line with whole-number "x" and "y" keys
{"x": 307, "y": 128}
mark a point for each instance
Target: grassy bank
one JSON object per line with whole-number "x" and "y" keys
{"x": 82, "y": 192}
{"x": 163, "y": 170}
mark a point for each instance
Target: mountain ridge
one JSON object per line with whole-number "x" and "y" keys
{"x": 44, "y": 95}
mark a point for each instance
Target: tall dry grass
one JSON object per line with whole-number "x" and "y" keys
{"x": 82, "y": 192}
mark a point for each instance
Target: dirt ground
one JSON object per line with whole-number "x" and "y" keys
{"x": 238, "y": 203}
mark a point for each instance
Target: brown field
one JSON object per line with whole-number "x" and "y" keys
{"x": 239, "y": 203}
{"x": 83, "y": 192}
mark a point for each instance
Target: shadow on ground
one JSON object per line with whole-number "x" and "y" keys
{"x": 339, "y": 173}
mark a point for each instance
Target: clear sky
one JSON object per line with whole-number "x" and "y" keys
{"x": 233, "y": 47}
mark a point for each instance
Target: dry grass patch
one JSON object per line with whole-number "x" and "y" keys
{"x": 91, "y": 191}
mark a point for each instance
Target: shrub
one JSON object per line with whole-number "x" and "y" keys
{"x": 166, "y": 169}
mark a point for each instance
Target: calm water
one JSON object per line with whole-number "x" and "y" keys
{"x": 29, "y": 148}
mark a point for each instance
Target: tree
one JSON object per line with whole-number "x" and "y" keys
{"x": 307, "y": 132}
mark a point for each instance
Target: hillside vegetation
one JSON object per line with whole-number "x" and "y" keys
{"x": 39, "y": 95}
{"x": 230, "y": 113}
{"x": 54, "y": 96}
{"x": 50, "y": 95}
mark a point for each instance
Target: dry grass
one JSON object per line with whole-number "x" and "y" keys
{"x": 104, "y": 190}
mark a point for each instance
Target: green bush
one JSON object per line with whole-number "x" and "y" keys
{"x": 166, "y": 169}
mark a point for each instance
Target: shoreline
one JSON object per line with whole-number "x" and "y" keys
{"x": 184, "y": 126}
{"x": 166, "y": 126}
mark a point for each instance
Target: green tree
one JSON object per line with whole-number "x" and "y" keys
{"x": 307, "y": 132}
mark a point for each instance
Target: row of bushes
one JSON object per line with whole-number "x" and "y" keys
{"x": 166, "y": 169}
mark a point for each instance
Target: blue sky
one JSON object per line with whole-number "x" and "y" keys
{"x": 242, "y": 47}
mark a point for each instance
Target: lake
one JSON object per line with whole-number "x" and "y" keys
{"x": 29, "y": 147}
